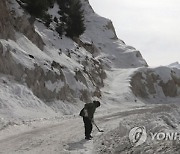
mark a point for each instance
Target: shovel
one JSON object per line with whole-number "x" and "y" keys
{"x": 97, "y": 127}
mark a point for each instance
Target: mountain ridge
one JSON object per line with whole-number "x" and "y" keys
{"x": 62, "y": 72}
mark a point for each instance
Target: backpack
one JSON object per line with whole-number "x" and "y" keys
{"x": 82, "y": 114}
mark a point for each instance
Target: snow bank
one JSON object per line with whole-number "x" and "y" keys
{"x": 154, "y": 120}
{"x": 18, "y": 102}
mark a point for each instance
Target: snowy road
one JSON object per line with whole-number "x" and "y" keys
{"x": 51, "y": 139}
{"x": 67, "y": 136}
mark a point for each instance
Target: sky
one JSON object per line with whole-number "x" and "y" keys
{"x": 151, "y": 26}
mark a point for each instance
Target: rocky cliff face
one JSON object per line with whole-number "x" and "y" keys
{"x": 161, "y": 82}
{"x": 6, "y": 20}
{"x": 111, "y": 51}
{"x": 56, "y": 73}
{"x": 12, "y": 21}
{"x": 48, "y": 79}
{"x": 59, "y": 68}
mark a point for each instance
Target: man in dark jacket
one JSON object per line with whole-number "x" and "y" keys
{"x": 88, "y": 117}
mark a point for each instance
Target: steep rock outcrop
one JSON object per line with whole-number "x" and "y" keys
{"x": 48, "y": 71}
{"x": 23, "y": 25}
{"x": 11, "y": 22}
{"x": 50, "y": 80}
{"x": 160, "y": 82}
{"x": 100, "y": 35}
{"x": 6, "y": 22}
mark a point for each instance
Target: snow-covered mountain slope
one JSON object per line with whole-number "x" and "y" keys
{"x": 108, "y": 48}
{"x": 156, "y": 84}
{"x": 58, "y": 68}
{"x": 62, "y": 72}
{"x": 18, "y": 103}
{"x": 117, "y": 87}
{"x": 45, "y": 76}
{"x": 176, "y": 65}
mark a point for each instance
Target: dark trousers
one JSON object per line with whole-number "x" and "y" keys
{"x": 88, "y": 126}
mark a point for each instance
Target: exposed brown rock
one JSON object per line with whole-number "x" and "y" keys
{"x": 6, "y": 24}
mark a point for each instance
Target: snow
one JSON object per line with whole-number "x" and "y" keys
{"x": 63, "y": 59}
{"x": 164, "y": 73}
{"x": 59, "y": 135}
{"x": 57, "y": 47}
{"x": 175, "y": 65}
{"x": 117, "y": 86}
{"x": 31, "y": 125}
{"x": 112, "y": 51}
{"x": 15, "y": 7}
{"x": 54, "y": 11}
{"x": 54, "y": 86}
{"x": 29, "y": 48}
{"x": 56, "y": 133}
{"x": 18, "y": 102}
{"x": 153, "y": 119}
{"x": 20, "y": 56}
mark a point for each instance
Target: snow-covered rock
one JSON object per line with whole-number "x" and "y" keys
{"x": 59, "y": 68}
{"x": 44, "y": 76}
{"x": 156, "y": 83}
{"x": 110, "y": 50}
{"x": 6, "y": 26}
{"x": 162, "y": 119}
{"x": 175, "y": 65}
